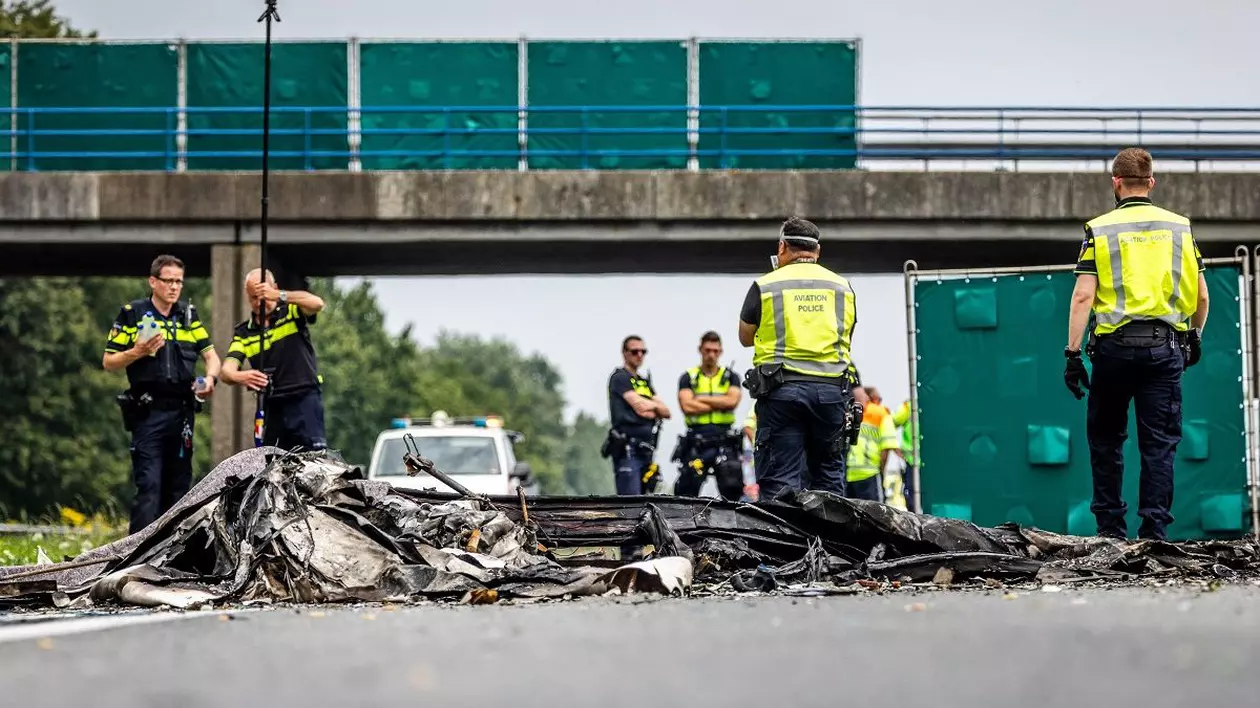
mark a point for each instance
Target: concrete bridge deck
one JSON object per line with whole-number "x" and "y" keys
{"x": 580, "y": 222}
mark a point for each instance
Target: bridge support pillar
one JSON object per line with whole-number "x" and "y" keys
{"x": 232, "y": 407}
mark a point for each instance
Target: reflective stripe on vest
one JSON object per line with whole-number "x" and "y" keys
{"x": 807, "y": 319}
{"x": 1147, "y": 268}
{"x": 716, "y": 385}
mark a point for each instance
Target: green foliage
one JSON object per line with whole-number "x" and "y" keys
{"x": 368, "y": 374}
{"x": 62, "y": 441}
{"x": 465, "y": 375}
{"x": 36, "y": 19}
{"x": 585, "y": 472}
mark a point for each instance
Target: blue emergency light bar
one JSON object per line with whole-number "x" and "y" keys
{"x": 484, "y": 421}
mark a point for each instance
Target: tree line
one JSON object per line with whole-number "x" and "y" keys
{"x": 61, "y": 436}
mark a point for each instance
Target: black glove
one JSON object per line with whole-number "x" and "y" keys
{"x": 1074, "y": 375}
{"x": 1194, "y": 348}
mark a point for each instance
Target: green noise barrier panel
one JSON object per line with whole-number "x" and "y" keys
{"x": 303, "y": 74}
{"x": 465, "y": 74}
{"x": 781, "y": 74}
{"x": 612, "y": 74}
{"x": 1003, "y": 439}
{"x": 52, "y": 75}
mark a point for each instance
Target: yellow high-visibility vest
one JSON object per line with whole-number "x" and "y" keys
{"x": 807, "y": 319}
{"x": 1148, "y": 267}
{"x": 716, "y": 385}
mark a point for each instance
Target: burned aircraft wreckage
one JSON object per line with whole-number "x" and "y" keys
{"x": 272, "y": 526}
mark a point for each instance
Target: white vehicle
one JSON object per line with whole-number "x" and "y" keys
{"x": 476, "y": 452}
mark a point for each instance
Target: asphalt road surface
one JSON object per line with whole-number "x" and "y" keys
{"x": 1129, "y": 647}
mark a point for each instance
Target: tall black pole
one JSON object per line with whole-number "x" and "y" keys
{"x": 259, "y": 418}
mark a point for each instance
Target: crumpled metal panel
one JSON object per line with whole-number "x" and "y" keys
{"x": 310, "y": 528}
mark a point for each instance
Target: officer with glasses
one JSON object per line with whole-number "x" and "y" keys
{"x": 158, "y": 340}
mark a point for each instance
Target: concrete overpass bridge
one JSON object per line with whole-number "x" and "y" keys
{"x": 564, "y": 222}
{"x": 469, "y": 222}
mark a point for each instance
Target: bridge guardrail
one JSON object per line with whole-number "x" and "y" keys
{"x": 172, "y": 138}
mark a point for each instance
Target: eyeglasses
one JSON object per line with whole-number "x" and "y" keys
{"x": 637, "y": 352}
{"x": 172, "y": 281}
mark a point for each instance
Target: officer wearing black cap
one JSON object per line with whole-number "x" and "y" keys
{"x": 799, "y": 319}
{"x": 158, "y": 340}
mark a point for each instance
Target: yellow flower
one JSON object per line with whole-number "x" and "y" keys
{"x": 72, "y": 517}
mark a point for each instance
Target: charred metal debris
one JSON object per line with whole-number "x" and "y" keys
{"x": 268, "y": 526}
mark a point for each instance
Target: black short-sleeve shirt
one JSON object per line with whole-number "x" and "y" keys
{"x": 172, "y": 369}
{"x": 621, "y": 415}
{"x": 751, "y": 311}
{"x": 291, "y": 361}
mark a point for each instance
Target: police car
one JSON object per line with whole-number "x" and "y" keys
{"x": 478, "y": 452}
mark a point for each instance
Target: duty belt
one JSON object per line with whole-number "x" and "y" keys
{"x": 1144, "y": 333}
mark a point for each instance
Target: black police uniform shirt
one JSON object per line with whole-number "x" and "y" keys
{"x": 708, "y": 429}
{"x": 291, "y": 362}
{"x": 170, "y": 372}
{"x": 622, "y": 415}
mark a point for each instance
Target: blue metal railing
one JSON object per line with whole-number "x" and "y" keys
{"x": 580, "y": 137}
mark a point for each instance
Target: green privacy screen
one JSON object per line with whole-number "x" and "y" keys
{"x": 615, "y": 74}
{"x": 306, "y": 74}
{"x": 780, "y": 74}
{"x": 1004, "y": 440}
{"x": 464, "y": 74}
{"x": 98, "y": 75}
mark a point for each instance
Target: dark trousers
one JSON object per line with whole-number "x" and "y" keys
{"x": 907, "y": 478}
{"x": 296, "y": 420}
{"x": 161, "y": 463}
{"x": 797, "y": 427}
{"x": 628, "y": 469}
{"x": 871, "y": 488}
{"x": 729, "y": 472}
{"x": 1150, "y": 377}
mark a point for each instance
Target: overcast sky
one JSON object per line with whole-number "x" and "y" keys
{"x": 965, "y": 52}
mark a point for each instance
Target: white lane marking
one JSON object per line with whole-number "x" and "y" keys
{"x": 61, "y": 627}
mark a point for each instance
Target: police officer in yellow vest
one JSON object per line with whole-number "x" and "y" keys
{"x": 708, "y": 394}
{"x": 1141, "y": 274}
{"x": 799, "y": 319}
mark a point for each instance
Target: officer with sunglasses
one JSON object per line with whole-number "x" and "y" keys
{"x": 634, "y": 412}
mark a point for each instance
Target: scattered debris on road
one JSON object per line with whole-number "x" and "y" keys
{"x": 279, "y": 527}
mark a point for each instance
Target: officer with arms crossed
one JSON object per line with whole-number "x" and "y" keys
{"x": 1141, "y": 274}
{"x": 158, "y": 340}
{"x": 799, "y": 319}
{"x": 634, "y": 410}
{"x": 293, "y": 407}
{"x": 708, "y": 394}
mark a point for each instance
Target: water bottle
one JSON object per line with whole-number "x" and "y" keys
{"x": 198, "y": 388}
{"x": 147, "y": 329}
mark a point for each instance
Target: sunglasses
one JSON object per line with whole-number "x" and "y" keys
{"x": 637, "y": 352}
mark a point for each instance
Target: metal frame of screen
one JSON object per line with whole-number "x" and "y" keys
{"x": 1249, "y": 291}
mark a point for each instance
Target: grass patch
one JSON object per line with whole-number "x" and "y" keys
{"x": 81, "y": 533}
{"x": 23, "y": 549}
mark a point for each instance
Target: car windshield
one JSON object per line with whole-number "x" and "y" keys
{"x": 452, "y": 454}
